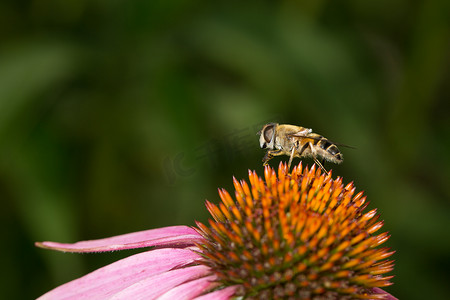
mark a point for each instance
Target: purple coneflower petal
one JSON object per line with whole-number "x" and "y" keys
{"x": 223, "y": 294}
{"x": 155, "y": 286}
{"x": 387, "y": 296}
{"x": 174, "y": 236}
{"x": 190, "y": 290}
{"x": 111, "y": 279}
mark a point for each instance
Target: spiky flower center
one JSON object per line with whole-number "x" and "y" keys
{"x": 299, "y": 235}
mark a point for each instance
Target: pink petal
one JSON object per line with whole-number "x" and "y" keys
{"x": 223, "y": 294}
{"x": 190, "y": 289}
{"x": 387, "y": 296}
{"x": 121, "y": 274}
{"x": 174, "y": 236}
{"x": 155, "y": 286}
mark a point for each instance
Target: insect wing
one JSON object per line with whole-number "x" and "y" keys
{"x": 300, "y": 134}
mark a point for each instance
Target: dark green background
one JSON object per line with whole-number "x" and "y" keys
{"x": 119, "y": 116}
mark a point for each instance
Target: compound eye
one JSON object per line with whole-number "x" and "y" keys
{"x": 268, "y": 133}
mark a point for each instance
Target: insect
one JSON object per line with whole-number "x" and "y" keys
{"x": 297, "y": 141}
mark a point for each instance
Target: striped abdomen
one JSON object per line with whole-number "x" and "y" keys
{"x": 328, "y": 149}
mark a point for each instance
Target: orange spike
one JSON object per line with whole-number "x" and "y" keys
{"x": 372, "y": 221}
{"x": 218, "y": 235}
{"x": 256, "y": 234}
{"x": 301, "y": 267}
{"x": 282, "y": 170}
{"x": 322, "y": 252}
{"x": 302, "y": 250}
{"x": 322, "y": 232}
{"x": 351, "y": 263}
{"x": 313, "y": 242}
{"x": 276, "y": 245}
{"x": 288, "y": 258}
{"x": 233, "y": 256}
{"x": 226, "y": 198}
{"x": 377, "y": 270}
{"x": 236, "y": 213}
{"x": 380, "y": 239}
{"x": 219, "y": 256}
{"x": 312, "y": 276}
{"x": 349, "y": 186}
{"x": 329, "y": 240}
{"x": 358, "y": 249}
{"x": 326, "y": 266}
{"x": 202, "y": 229}
{"x": 381, "y": 254}
{"x": 268, "y": 175}
{"x": 364, "y": 278}
{"x": 358, "y": 196}
{"x": 238, "y": 187}
{"x": 358, "y": 238}
{"x": 214, "y": 211}
{"x": 248, "y": 211}
{"x": 364, "y": 265}
{"x": 271, "y": 261}
{"x": 247, "y": 255}
{"x": 236, "y": 229}
{"x": 343, "y": 274}
{"x": 248, "y": 196}
{"x": 349, "y": 290}
{"x": 346, "y": 228}
{"x": 270, "y": 233}
{"x": 233, "y": 237}
{"x": 251, "y": 177}
{"x": 225, "y": 211}
{"x": 372, "y": 296}
{"x": 239, "y": 199}
{"x": 367, "y": 216}
{"x": 280, "y": 187}
{"x": 382, "y": 283}
{"x": 335, "y": 256}
{"x": 374, "y": 228}
{"x": 319, "y": 290}
{"x": 312, "y": 171}
{"x": 259, "y": 267}
{"x": 304, "y": 184}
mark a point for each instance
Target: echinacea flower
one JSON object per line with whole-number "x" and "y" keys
{"x": 293, "y": 235}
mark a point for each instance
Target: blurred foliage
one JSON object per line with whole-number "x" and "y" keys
{"x": 118, "y": 116}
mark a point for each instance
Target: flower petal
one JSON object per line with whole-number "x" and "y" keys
{"x": 387, "y": 296}
{"x": 155, "y": 286}
{"x": 223, "y": 294}
{"x": 174, "y": 236}
{"x": 119, "y": 275}
{"x": 190, "y": 289}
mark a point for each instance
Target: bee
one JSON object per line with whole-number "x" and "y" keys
{"x": 297, "y": 141}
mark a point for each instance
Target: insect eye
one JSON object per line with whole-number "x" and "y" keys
{"x": 268, "y": 134}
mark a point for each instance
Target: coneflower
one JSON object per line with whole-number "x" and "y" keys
{"x": 291, "y": 235}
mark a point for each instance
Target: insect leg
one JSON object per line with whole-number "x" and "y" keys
{"x": 303, "y": 149}
{"x": 319, "y": 164}
{"x": 314, "y": 156}
{"x": 269, "y": 155}
{"x": 292, "y": 156}
{"x": 299, "y": 154}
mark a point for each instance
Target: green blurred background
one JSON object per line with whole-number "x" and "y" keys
{"x": 119, "y": 116}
